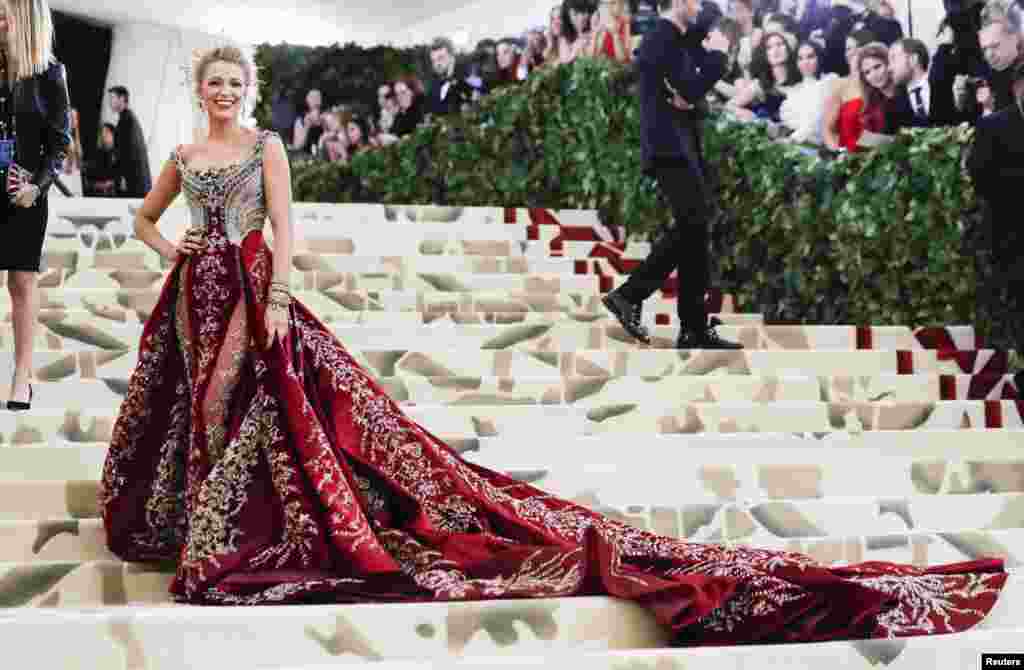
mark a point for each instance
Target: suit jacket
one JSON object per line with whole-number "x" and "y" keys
{"x": 667, "y": 53}
{"x": 132, "y": 156}
{"x": 43, "y": 124}
{"x": 996, "y": 165}
{"x": 942, "y": 110}
{"x": 459, "y": 93}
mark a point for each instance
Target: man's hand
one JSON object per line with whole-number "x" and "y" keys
{"x": 679, "y": 103}
{"x": 717, "y": 41}
{"x": 676, "y": 100}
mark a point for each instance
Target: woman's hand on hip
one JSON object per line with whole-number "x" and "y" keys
{"x": 193, "y": 242}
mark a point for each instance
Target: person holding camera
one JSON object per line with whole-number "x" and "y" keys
{"x": 678, "y": 63}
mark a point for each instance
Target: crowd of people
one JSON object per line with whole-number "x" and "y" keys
{"x": 840, "y": 75}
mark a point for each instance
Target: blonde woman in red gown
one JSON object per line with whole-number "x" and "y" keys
{"x": 254, "y": 451}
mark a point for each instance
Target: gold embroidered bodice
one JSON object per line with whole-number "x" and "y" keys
{"x": 229, "y": 199}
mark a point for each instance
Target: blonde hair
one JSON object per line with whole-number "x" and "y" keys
{"x": 30, "y": 44}
{"x": 226, "y": 54}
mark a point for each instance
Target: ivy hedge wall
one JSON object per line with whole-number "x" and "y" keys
{"x": 882, "y": 238}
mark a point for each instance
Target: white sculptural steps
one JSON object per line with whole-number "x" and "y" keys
{"x": 848, "y": 442}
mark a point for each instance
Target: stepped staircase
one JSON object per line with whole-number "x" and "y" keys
{"x": 850, "y": 443}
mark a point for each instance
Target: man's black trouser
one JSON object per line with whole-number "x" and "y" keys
{"x": 683, "y": 247}
{"x": 1003, "y": 296}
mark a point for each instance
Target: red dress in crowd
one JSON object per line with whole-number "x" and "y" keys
{"x": 854, "y": 120}
{"x": 608, "y": 44}
{"x": 288, "y": 475}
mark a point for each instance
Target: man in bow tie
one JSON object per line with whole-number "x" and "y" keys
{"x": 450, "y": 92}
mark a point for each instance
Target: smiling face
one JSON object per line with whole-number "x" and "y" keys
{"x": 875, "y": 72}
{"x": 807, "y": 61}
{"x": 404, "y": 95}
{"x": 505, "y": 55}
{"x": 776, "y": 50}
{"x": 555, "y": 21}
{"x": 442, "y": 61}
{"x": 355, "y": 133}
{"x": 333, "y": 122}
{"x": 222, "y": 90}
{"x": 580, "y": 20}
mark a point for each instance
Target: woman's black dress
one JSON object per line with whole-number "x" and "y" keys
{"x": 24, "y": 229}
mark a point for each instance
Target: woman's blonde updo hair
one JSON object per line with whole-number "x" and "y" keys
{"x": 203, "y": 58}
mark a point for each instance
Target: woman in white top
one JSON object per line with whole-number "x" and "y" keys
{"x": 803, "y": 110}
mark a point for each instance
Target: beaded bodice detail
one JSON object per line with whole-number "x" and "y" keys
{"x": 226, "y": 201}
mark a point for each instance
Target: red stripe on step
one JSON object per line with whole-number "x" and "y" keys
{"x": 993, "y": 414}
{"x": 947, "y": 387}
{"x": 510, "y": 215}
{"x": 580, "y": 267}
{"x": 865, "y": 337}
{"x": 905, "y": 362}
{"x": 662, "y": 319}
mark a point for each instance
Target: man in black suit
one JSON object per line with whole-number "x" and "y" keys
{"x": 924, "y": 90}
{"x": 676, "y": 68}
{"x": 450, "y": 92}
{"x": 134, "y": 179}
{"x": 1000, "y": 40}
{"x": 996, "y": 165}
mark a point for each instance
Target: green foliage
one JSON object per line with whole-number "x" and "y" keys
{"x": 870, "y": 239}
{"x": 347, "y": 74}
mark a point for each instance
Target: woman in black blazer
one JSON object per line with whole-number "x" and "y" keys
{"x": 36, "y": 125}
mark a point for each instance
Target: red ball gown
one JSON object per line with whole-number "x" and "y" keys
{"x": 287, "y": 475}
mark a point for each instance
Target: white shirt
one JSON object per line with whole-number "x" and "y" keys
{"x": 926, "y": 93}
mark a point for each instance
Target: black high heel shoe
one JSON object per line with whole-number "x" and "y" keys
{"x": 18, "y": 406}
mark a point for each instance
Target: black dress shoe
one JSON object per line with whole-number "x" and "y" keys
{"x": 628, "y": 315}
{"x": 708, "y": 338}
{"x": 18, "y": 406}
{"x": 1018, "y": 381}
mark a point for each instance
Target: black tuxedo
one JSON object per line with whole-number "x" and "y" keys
{"x": 670, "y": 150}
{"x": 941, "y": 107}
{"x": 996, "y": 165}
{"x": 458, "y": 93}
{"x": 132, "y": 156}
